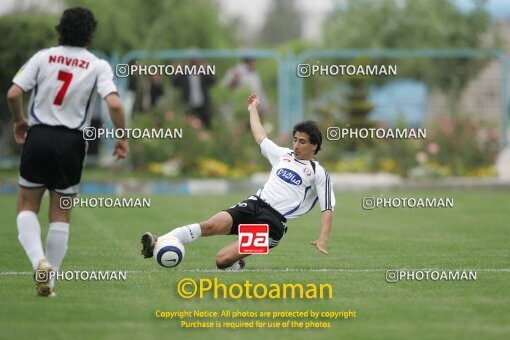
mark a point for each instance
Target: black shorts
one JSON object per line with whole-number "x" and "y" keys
{"x": 52, "y": 157}
{"x": 255, "y": 211}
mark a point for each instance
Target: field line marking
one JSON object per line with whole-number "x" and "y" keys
{"x": 269, "y": 270}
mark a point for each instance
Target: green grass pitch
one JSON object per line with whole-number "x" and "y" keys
{"x": 473, "y": 235}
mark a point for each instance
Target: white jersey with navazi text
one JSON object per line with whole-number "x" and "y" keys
{"x": 294, "y": 186}
{"x": 64, "y": 81}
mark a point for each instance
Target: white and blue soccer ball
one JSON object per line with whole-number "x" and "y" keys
{"x": 169, "y": 251}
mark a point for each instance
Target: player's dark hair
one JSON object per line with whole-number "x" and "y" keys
{"x": 313, "y": 131}
{"x": 76, "y": 28}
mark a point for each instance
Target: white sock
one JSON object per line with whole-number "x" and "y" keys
{"x": 56, "y": 245}
{"x": 186, "y": 234}
{"x": 29, "y": 235}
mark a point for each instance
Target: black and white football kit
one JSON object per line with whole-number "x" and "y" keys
{"x": 293, "y": 189}
{"x": 64, "y": 81}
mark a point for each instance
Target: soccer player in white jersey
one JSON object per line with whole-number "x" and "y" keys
{"x": 64, "y": 81}
{"x": 295, "y": 184}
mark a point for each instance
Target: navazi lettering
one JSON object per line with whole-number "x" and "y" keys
{"x": 68, "y": 61}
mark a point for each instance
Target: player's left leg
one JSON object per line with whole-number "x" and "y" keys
{"x": 29, "y": 235}
{"x": 29, "y": 228}
{"x": 229, "y": 257}
{"x": 219, "y": 224}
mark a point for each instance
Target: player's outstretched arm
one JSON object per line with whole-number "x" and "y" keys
{"x": 15, "y": 102}
{"x": 117, "y": 115}
{"x": 326, "y": 221}
{"x": 256, "y": 126}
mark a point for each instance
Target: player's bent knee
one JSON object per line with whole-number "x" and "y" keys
{"x": 223, "y": 265}
{"x": 223, "y": 260}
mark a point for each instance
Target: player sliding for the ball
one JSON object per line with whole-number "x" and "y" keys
{"x": 295, "y": 184}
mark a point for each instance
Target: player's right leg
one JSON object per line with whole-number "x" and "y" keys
{"x": 58, "y": 232}
{"x": 219, "y": 224}
{"x": 229, "y": 257}
{"x": 67, "y": 149}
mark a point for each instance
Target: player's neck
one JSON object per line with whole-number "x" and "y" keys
{"x": 70, "y": 46}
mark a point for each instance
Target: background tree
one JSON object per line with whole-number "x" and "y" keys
{"x": 415, "y": 24}
{"x": 155, "y": 24}
{"x": 38, "y": 31}
{"x": 133, "y": 24}
{"x": 283, "y": 23}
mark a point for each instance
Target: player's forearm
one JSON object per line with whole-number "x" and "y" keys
{"x": 116, "y": 110}
{"x": 326, "y": 222}
{"x": 118, "y": 118}
{"x": 15, "y": 103}
{"x": 256, "y": 126}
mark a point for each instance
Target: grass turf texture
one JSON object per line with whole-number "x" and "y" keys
{"x": 475, "y": 234}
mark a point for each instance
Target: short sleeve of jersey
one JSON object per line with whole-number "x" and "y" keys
{"x": 324, "y": 189}
{"x": 105, "y": 83}
{"x": 272, "y": 151}
{"x": 26, "y": 78}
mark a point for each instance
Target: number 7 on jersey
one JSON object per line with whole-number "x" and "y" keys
{"x": 66, "y": 77}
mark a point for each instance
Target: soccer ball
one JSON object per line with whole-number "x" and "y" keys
{"x": 169, "y": 252}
